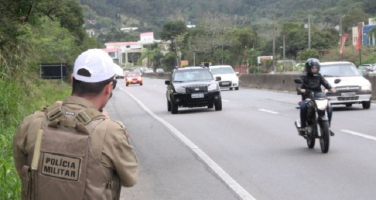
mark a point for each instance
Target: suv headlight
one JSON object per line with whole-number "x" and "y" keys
{"x": 212, "y": 87}
{"x": 180, "y": 90}
{"x": 367, "y": 87}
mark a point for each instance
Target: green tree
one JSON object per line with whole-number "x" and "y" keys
{"x": 352, "y": 18}
{"x": 171, "y": 31}
{"x": 308, "y": 53}
{"x": 117, "y": 36}
{"x": 242, "y": 41}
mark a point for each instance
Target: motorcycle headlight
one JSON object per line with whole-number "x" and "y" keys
{"x": 212, "y": 87}
{"x": 180, "y": 90}
{"x": 322, "y": 104}
{"x": 367, "y": 87}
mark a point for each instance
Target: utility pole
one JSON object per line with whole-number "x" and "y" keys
{"x": 284, "y": 47}
{"x": 194, "y": 58}
{"x": 222, "y": 53}
{"x": 309, "y": 32}
{"x": 340, "y": 30}
{"x": 273, "y": 43}
{"x": 176, "y": 52}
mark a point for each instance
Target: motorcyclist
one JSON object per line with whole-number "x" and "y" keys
{"x": 312, "y": 82}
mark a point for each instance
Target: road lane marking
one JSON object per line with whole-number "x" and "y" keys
{"x": 359, "y": 134}
{"x": 268, "y": 111}
{"x": 231, "y": 183}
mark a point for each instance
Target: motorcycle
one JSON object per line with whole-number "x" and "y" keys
{"x": 317, "y": 126}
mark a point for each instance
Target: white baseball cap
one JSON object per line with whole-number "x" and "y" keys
{"x": 99, "y": 64}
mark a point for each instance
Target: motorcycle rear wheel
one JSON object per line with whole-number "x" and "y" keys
{"x": 325, "y": 136}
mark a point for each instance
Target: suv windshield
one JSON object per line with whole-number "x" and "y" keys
{"x": 339, "y": 70}
{"x": 192, "y": 75}
{"x": 222, "y": 70}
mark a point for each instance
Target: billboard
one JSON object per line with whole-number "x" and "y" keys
{"x": 53, "y": 70}
{"x": 262, "y": 58}
{"x": 184, "y": 63}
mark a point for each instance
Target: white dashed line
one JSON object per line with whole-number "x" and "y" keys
{"x": 360, "y": 134}
{"x": 238, "y": 189}
{"x": 269, "y": 111}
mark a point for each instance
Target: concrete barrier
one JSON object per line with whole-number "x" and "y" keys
{"x": 283, "y": 82}
{"x": 279, "y": 82}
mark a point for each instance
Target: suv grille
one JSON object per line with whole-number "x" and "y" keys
{"x": 225, "y": 84}
{"x": 348, "y": 88}
{"x": 348, "y": 98}
{"x": 196, "y": 88}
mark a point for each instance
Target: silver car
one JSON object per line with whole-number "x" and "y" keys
{"x": 353, "y": 88}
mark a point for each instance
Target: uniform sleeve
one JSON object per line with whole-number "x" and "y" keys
{"x": 19, "y": 145}
{"x": 325, "y": 83}
{"x": 117, "y": 147}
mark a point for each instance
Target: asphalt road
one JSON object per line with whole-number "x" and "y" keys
{"x": 249, "y": 150}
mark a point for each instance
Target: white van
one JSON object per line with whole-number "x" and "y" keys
{"x": 353, "y": 88}
{"x": 229, "y": 78}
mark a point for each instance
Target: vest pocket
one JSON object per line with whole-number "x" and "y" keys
{"x": 26, "y": 182}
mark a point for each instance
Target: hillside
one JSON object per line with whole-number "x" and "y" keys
{"x": 152, "y": 14}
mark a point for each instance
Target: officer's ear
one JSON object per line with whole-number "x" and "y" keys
{"x": 108, "y": 88}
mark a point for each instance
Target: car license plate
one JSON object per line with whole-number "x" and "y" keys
{"x": 348, "y": 94}
{"x": 225, "y": 83}
{"x": 197, "y": 95}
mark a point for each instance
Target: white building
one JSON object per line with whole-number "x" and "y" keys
{"x": 127, "y": 53}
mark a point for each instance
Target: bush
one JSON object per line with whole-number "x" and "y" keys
{"x": 15, "y": 106}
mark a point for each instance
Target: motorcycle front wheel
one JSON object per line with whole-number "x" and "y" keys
{"x": 325, "y": 136}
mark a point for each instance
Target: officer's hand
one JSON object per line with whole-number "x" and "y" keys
{"x": 333, "y": 90}
{"x": 58, "y": 102}
{"x": 303, "y": 90}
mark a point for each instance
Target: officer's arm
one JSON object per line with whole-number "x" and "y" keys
{"x": 19, "y": 145}
{"x": 118, "y": 149}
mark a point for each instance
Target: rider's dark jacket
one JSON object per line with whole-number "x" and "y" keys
{"x": 313, "y": 82}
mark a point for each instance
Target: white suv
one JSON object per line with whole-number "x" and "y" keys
{"x": 229, "y": 78}
{"x": 352, "y": 88}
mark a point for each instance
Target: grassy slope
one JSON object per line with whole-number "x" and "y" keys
{"x": 41, "y": 93}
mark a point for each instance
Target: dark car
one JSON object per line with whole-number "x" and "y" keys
{"x": 133, "y": 78}
{"x": 192, "y": 87}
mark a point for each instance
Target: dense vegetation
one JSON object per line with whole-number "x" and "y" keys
{"x": 153, "y": 14}
{"x": 243, "y": 29}
{"x": 32, "y": 32}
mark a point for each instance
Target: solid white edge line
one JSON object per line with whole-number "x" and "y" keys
{"x": 239, "y": 190}
{"x": 269, "y": 111}
{"x": 359, "y": 134}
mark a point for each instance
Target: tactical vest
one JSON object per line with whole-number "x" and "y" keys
{"x": 65, "y": 164}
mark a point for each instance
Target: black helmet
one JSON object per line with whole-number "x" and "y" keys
{"x": 310, "y": 63}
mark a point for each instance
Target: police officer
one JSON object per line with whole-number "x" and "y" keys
{"x": 71, "y": 150}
